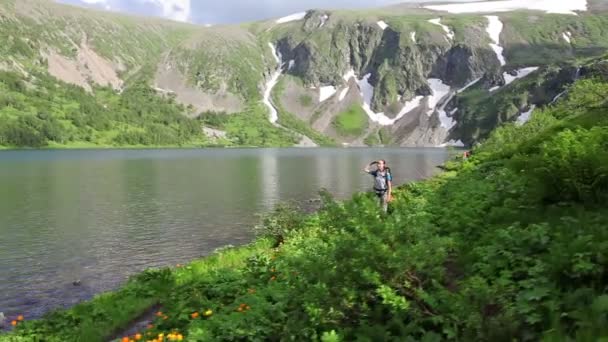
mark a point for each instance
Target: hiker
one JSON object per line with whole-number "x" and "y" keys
{"x": 382, "y": 182}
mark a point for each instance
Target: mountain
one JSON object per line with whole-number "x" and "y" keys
{"x": 405, "y": 75}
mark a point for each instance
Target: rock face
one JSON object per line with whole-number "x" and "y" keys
{"x": 404, "y": 76}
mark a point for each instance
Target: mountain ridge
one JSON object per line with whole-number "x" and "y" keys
{"x": 405, "y": 61}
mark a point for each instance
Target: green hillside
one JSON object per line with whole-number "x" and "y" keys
{"x": 507, "y": 245}
{"x": 162, "y": 83}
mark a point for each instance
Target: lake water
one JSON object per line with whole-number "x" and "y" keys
{"x": 100, "y": 216}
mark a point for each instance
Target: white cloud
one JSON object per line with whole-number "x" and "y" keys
{"x": 179, "y": 10}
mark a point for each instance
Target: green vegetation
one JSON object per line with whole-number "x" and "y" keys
{"x": 372, "y": 139}
{"x": 508, "y": 245}
{"x": 290, "y": 121}
{"x": 40, "y": 111}
{"x": 305, "y": 100}
{"x": 537, "y": 40}
{"x": 250, "y": 128}
{"x": 352, "y": 122}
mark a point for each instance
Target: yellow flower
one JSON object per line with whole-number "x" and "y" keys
{"x": 208, "y": 313}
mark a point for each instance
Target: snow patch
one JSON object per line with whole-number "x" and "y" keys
{"x": 439, "y": 91}
{"x": 383, "y": 25}
{"x": 453, "y": 143}
{"x": 292, "y": 17}
{"x": 549, "y": 6}
{"x": 291, "y": 64}
{"x": 343, "y": 94}
{"x": 521, "y": 73}
{"x": 453, "y": 111}
{"x": 413, "y": 37}
{"x": 274, "y": 78}
{"x": 323, "y": 20}
{"x": 469, "y": 85}
{"x": 326, "y": 92}
{"x": 367, "y": 92}
{"x": 494, "y": 29}
{"x": 350, "y": 74}
{"x": 525, "y": 116}
{"x": 447, "y": 30}
{"x": 567, "y": 36}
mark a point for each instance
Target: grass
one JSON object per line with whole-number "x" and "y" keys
{"x": 305, "y": 100}
{"x": 108, "y": 313}
{"x": 352, "y": 122}
{"x": 491, "y": 249}
{"x": 290, "y": 121}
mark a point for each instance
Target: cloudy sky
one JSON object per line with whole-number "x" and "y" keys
{"x": 225, "y": 11}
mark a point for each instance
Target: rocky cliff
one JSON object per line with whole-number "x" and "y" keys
{"x": 407, "y": 75}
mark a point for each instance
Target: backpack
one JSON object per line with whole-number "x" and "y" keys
{"x": 381, "y": 179}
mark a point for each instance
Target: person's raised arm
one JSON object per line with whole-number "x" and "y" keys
{"x": 367, "y": 167}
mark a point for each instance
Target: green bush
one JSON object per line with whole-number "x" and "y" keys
{"x": 352, "y": 122}
{"x": 277, "y": 225}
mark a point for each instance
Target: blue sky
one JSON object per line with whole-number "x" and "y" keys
{"x": 224, "y": 11}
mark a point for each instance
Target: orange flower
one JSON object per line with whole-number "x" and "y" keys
{"x": 180, "y": 337}
{"x": 125, "y": 339}
{"x": 160, "y": 313}
{"x": 240, "y": 309}
{"x": 273, "y": 278}
{"x": 194, "y": 315}
{"x": 14, "y": 323}
{"x": 138, "y": 337}
{"x": 20, "y": 318}
{"x": 242, "y": 305}
{"x": 248, "y": 307}
{"x": 165, "y": 317}
{"x": 150, "y": 326}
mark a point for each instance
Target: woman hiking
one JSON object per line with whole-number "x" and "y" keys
{"x": 383, "y": 182}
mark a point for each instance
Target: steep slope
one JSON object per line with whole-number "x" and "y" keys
{"x": 409, "y": 63}
{"x": 76, "y": 77}
{"x": 406, "y": 75}
{"x": 79, "y": 46}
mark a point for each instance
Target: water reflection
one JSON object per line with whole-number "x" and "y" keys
{"x": 100, "y": 216}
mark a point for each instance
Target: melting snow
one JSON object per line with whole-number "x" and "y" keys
{"x": 367, "y": 92}
{"x": 521, "y": 73}
{"x": 453, "y": 143}
{"x": 291, "y": 64}
{"x": 326, "y": 92}
{"x": 274, "y": 78}
{"x": 549, "y": 6}
{"x": 323, "y": 20}
{"x": 567, "y": 36}
{"x": 524, "y": 117}
{"x": 494, "y": 29}
{"x": 382, "y": 24}
{"x": 439, "y": 91}
{"x": 413, "y": 36}
{"x": 469, "y": 85}
{"x": 350, "y": 74}
{"x": 447, "y": 30}
{"x": 293, "y": 17}
{"x": 343, "y": 93}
